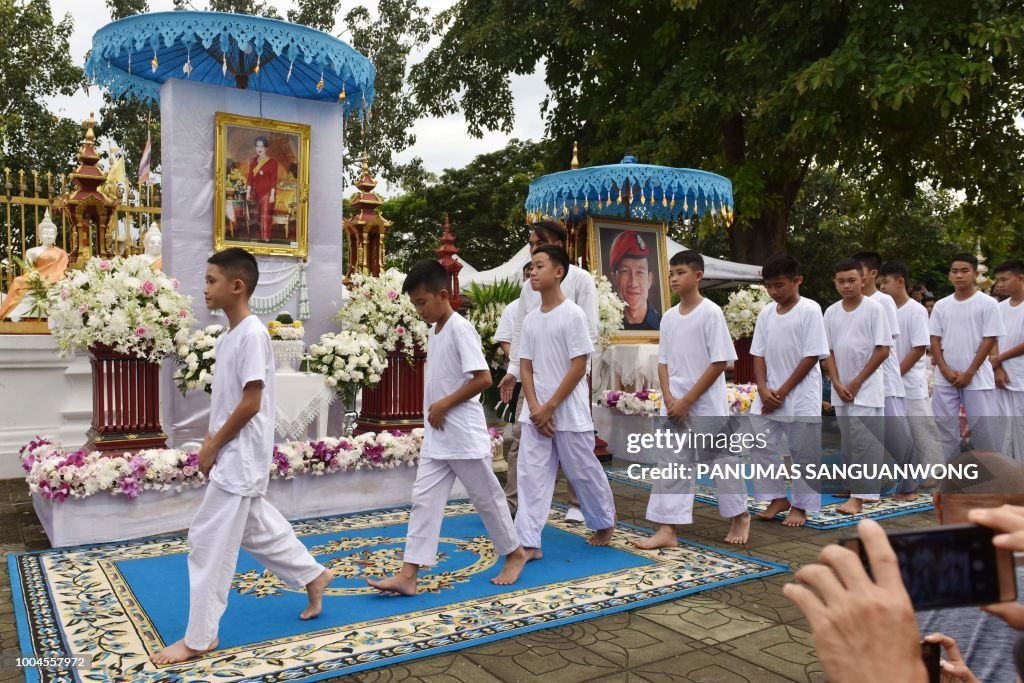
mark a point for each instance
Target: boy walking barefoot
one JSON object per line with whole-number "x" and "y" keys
{"x": 859, "y": 338}
{"x": 789, "y": 341}
{"x": 455, "y": 438}
{"x": 694, "y": 349}
{"x": 557, "y": 427}
{"x": 238, "y": 450}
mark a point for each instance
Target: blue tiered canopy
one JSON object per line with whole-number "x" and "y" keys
{"x": 133, "y": 57}
{"x": 654, "y": 193}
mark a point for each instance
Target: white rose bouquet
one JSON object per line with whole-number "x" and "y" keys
{"x": 197, "y": 358}
{"x": 742, "y": 309}
{"x": 378, "y": 308}
{"x": 120, "y": 303}
{"x": 349, "y": 360}
{"x": 609, "y": 311}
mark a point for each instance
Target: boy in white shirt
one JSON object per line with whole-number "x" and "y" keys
{"x": 503, "y": 335}
{"x": 911, "y": 346}
{"x": 238, "y": 450}
{"x": 859, "y": 338}
{"x": 789, "y": 343}
{"x": 557, "y": 425}
{"x": 899, "y": 443}
{"x": 1008, "y": 362}
{"x": 965, "y": 327}
{"x": 577, "y": 286}
{"x": 694, "y": 349}
{"x": 455, "y": 438}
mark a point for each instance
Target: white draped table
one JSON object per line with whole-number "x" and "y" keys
{"x": 301, "y": 398}
{"x": 627, "y": 365}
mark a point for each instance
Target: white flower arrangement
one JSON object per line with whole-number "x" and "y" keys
{"x": 742, "y": 310}
{"x": 645, "y": 402}
{"x": 56, "y": 474}
{"x": 379, "y": 308}
{"x": 485, "y": 319}
{"x": 197, "y": 357}
{"x": 349, "y": 360}
{"x": 121, "y": 303}
{"x": 609, "y": 311}
{"x": 293, "y": 331}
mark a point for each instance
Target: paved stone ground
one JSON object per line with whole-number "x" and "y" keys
{"x": 745, "y": 632}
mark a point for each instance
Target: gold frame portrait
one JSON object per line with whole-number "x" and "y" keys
{"x": 235, "y": 213}
{"x": 601, "y": 231}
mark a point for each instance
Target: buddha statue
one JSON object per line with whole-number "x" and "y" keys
{"x": 153, "y": 241}
{"x": 48, "y": 259}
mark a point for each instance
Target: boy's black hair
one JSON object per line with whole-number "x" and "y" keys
{"x": 780, "y": 265}
{"x": 527, "y": 266}
{"x": 551, "y": 231}
{"x": 898, "y": 269}
{"x": 1013, "y": 265}
{"x": 843, "y": 265}
{"x": 238, "y": 263}
{"x": 687, "y": 257}
{"x": 966, "y": 258}
{"x": 927, "y": 298}
{"x": 558, "y": 256}
{"x": 430, "y": 275}
{"x": 871, "y": 260}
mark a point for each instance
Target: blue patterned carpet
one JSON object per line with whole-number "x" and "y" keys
{"x": 115, "y": 604}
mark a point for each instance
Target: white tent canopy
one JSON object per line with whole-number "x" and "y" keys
{"x": 717, "y": 272}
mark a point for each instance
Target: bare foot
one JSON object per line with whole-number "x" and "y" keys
{"x": 315, "y": 590}
{"x": 601, "y": 537}
{"x": 904, "y": 497}
{"x": 533, "y": 553}
{"x": 778, "y": 505}
{"x": 395, "y": 584}
{"x": 514, "y": 563}
{"x": 796, "y": 517}
{"x": 739, "y": 530}
{"x": 179, "y": 652}
{"x": 854, "y": 506}
{"x": 664, "y": 537}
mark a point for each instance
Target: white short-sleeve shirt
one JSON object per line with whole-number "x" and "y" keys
{"x": 891, "y": 366}
{"x": 452, "y": 357}
{"x": 244, "y": 355}
{"x": 1013, "y": 321}
{"x": 913, "y": 321}
{"x": 507, "y": 323}
{"x": 689, "y": 344}
{"x": 962, "y": 326}
{"x": 551, "y": 340}
{"x": 852, "y": 337}
{"x": 784, "y": 341}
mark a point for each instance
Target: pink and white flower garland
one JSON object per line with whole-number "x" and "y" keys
{"x": 645, "y": 402}
{"x": 58, "y": 474}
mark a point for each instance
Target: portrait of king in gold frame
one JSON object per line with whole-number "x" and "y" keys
{"x": 633, "y": 256}
{"x": 262, "y": 185}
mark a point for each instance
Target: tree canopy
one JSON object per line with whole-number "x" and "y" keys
{"x": 893, "y": 95}
{"x": 36, "y": 55}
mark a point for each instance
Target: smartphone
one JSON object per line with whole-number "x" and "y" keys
{"x": 950, "y": 566}
{"x": 931, "y": 654}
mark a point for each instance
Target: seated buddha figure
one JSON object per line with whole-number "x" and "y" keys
{"x": 153, "y": 244}
{"x": 48, "y": 259}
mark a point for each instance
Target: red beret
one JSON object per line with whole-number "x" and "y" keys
{"x": 628, "y": 244}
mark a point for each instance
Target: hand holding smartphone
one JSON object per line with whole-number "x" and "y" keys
{"x": 950, "y": 566}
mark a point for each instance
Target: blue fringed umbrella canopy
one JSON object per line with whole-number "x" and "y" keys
{"x": 133, "y": 57}
{"x": 640, "y": 191}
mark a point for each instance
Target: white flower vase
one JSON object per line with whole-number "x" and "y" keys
{"x": 350, "y": 415}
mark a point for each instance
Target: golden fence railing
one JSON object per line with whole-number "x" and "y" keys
{"x": 24, "y": 199}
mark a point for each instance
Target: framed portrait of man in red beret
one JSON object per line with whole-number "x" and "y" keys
{"x": 633, "y": 256}
{"x": 262, "y": 185}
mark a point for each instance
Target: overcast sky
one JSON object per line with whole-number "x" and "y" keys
{"x": 441, "y": 143}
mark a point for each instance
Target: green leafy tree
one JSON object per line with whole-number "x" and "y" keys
{"x": 484, "y": 202}
{"x": 37, "y": 64}
{"x": 760, "y": 91}
{"x": 402, "y": 26}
